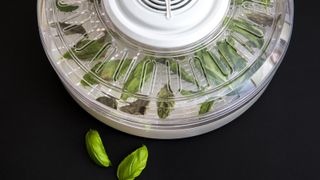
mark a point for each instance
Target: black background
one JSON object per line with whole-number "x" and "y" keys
{"x": 42, "y": 128}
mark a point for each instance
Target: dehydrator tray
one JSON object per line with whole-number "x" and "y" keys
{"x": 165, "y": 69}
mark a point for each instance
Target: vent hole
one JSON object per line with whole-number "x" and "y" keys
{"x": 161, "y": 6}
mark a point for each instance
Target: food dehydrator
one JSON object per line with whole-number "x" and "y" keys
{"x": 165, "y": 69}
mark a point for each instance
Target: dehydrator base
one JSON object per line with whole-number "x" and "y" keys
{"x": 167, "y": 133}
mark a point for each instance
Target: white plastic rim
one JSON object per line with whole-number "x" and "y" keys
{"x": 167, "y": 29}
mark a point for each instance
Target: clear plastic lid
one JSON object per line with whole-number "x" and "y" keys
{"x": 165, "y": 64}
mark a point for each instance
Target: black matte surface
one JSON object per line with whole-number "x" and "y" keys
{"x": 42, "y": 128}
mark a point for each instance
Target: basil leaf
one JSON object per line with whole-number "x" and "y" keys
{"x": 212, "y": 70}
{"x": 206, "y": 107}
{"x": 133, "y": 165}
{"x": 250, "y": 28}
{"x": 108, "y": 71}
{"x": 92, "y": 1}
{"x": 108, "y": 101}
{"x": 262, "y": 19}
{"x": 114, "y": 70}
{"x": 264, "y": 2}
{"x": 187, "y": 92}
{"x": 65, "y": 7}
{"x": 175, "y": 69}
{"x": 141, "y": 73}
{"x": 90, "y": 78}
{"x": 138, "y": 107}
{"x": 96, "y": 149}
{"x": 87, "y": 50}
{"x": 165, "y": 106}
{"x": 236, "y": 62}
{"x": 69, "y": 29}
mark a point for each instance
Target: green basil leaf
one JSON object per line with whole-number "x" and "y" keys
{"x": 175, "y": 69}
{"x": 96, "y": 149}
{"x": 236, "y": 62}
{"x": 65, "y": 7}
{"x": 206, "y": 107}
{"x": 90, "y": 78}
{"x": 114, "y": 70}
{"x": 69, "y": 29}
{"x": 164, "y": 105}
{"x": 211, "y": 68}
{"x": 187, "y": 92}
{"x": 264, "y": 2}
{"x": 141, "y": 73}
{"x": 89, "y": 49}
{"x": 133, "y": 165}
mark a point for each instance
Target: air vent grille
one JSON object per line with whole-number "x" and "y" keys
{"x": 162, "y": 6}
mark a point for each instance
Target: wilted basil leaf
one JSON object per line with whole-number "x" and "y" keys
{"x": 136, "y": 108}
{"x": 260, "y": 19}
{"x": 108, "y": 101}
{"x": 165, "y": 106}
